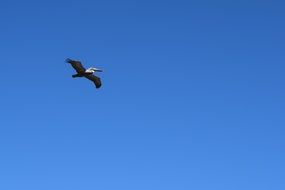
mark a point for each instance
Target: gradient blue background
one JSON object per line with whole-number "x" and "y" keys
{"x": 192, "y": 96}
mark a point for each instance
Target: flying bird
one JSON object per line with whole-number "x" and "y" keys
{"x": 87, "y": 73}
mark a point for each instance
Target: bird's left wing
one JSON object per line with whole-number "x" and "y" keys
{"x": 95, "y": 79}
{"x": 76, "y": 65}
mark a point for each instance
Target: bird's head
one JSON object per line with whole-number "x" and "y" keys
{"x": 93, "y": 69}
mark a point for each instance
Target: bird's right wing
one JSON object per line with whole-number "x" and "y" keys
{"x": 96, "y": 80}
{"x": 76, "y": 65}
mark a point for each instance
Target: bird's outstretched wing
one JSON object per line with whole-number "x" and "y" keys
{"x": 76, "y": 65}
{"x": 95, "y": 79}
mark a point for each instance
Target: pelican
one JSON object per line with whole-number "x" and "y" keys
{"x": 87, "y": 73}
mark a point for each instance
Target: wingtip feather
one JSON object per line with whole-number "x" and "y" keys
{"x": 68, "y": 60}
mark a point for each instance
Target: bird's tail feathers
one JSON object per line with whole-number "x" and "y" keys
{"x": 76, "y": 75}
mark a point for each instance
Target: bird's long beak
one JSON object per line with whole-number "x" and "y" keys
{"x": 99, "y": 70}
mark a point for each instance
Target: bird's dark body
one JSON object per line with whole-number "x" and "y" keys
{"x": 81, "y": 72}
{"x": 81, "y": 75}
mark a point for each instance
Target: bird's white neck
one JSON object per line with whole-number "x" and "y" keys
{"x": 90, "y": 70}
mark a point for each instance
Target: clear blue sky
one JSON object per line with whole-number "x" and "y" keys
{"x": 192, "y": 96}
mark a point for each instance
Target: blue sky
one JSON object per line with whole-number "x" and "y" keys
{"x": 192, "y": 96}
